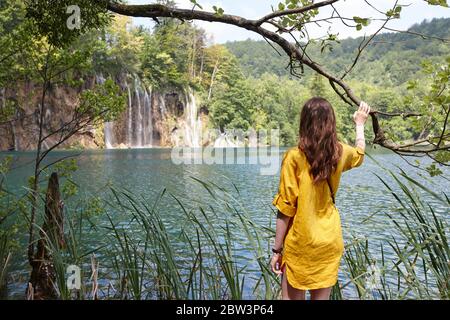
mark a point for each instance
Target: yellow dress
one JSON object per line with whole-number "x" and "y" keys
{"x": 313, "y": 246}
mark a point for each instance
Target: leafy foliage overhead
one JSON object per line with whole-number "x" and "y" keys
{"x": 51, "y": 17}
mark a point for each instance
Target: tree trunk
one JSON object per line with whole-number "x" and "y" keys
{"x": 43, "y": 277}
{"x": 12, "y": 128}
{"x": 202, "y": 65}
{"x": 216, "y": 68}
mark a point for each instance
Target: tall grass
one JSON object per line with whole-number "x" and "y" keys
{"x": 144, "y": 255}
{"x": 426, "y": 247}
{"x": 205, "y": 267}
{"x": 419, "y": 267}
{"x": 209, "y": 268}
{"x": 5, "y": 256}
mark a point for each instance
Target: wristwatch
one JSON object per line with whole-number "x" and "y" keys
{"x": 277, "y": 251}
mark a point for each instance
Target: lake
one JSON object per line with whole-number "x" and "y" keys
{"x": 362, "y": 198}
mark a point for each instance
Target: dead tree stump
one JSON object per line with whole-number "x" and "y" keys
{"x": 43, "y": 277}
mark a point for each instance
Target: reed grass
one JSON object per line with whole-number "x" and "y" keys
{"x": 5, "y": 256}
{"x": 418, "y": 243}
{"x": 143, "y": 255}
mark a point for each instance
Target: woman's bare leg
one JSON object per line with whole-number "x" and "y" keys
{"x": 321, "y": 294}
{"x": 290, "y": 293}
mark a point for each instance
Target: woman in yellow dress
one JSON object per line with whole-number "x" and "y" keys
{"x": 308, "y": 243}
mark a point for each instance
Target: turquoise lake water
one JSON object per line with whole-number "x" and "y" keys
{"x": 362, "y": 199}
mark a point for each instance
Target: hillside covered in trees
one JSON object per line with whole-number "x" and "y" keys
{"x": 391, "y": 59}
{"x": 240, "y": 85}
{"x": 247, "y": 84}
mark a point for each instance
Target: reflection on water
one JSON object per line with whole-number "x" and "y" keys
{"x": 362, "y": 199}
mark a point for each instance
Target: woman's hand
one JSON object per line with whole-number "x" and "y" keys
{"x": 276, "y": 263}
{"x": 360, "y": 116}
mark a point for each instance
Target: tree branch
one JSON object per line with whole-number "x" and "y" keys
{"x": 423, "y": 36}
{"x": 292, "y": 50}
{"x": 399, "y": 114}
{"x": 445, "y": 127}
{"x": 363, "y": 46}
{"x": 301, "y": 10}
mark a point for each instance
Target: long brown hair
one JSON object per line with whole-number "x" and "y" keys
{"x": 318, "y": 138}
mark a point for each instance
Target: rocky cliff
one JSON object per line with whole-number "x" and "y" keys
{"x": 153, "y": 118}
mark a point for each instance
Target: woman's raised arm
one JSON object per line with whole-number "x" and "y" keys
{"x": 360, "y": 118}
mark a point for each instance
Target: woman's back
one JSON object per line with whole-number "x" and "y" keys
{"x": 296, "y": 181}
{"x": 308, "y": 239}
{"x": 313, "y": 245}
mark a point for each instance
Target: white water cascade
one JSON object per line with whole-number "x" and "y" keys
{"x": 140, "y": 116}
{"x": 193, "y": 127}
{"x": 138, "y": 129}
{"x": 108, "y": 134}
{"x": 109, "y": 126}
{"x": 143, "y": 123}
{"x": 162, "y": 106}
{"x": 224, "y": 141}
{"x": 137, "y": 122}
{"x": 130, "y": 117}
{"x": 148, "y": 124}
{"x": 16, "y": 138}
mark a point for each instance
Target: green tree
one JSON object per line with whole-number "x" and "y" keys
{"x": 317, "y": 86}
{"x": 173, "y": 56}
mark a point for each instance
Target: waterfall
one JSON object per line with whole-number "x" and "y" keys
{"x": 162, "y": 107}
{"x": 224, "y": 141}
{"x": 48, "y": 115}
{"x": 193, "y": 126}
{"x": 109, "y": 129}
{"x": 140, "y": 116}
{"x": 138, "y": 130}
{"x": 109, "y": 126}
{"x": 15, "y": 138}
{"x": 45, "y": 145}
{"x": 148, "y": 122}
{"x": 130, "y": 118}
{"x": 146, "y": 112}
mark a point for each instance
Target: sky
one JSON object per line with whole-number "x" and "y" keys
{"x": 414, "y": 11}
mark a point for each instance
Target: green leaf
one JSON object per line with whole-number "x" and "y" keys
{"x": 361, "y": 21}
{"x": 433, "y": 170}
{"x": 442, "y": 3}
{"x": 218, "y": 11}
{"x": 196, "y": 4}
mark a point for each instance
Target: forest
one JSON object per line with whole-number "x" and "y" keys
{"x": 87, "y": 117}
{"x": 240, "y": 85}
